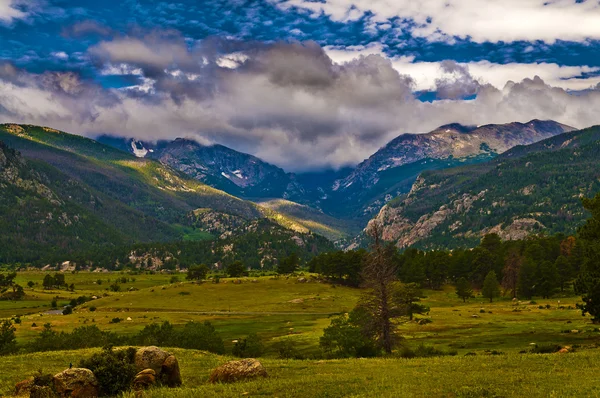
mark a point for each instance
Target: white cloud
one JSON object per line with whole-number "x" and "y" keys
{"x": 8, "y": 12}
{"x": 425, "y": 74}
{"x": 479, "y": 20}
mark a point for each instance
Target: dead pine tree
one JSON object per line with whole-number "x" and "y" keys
{"x": 510, "y": 272}
{"x": 380, "y": 282}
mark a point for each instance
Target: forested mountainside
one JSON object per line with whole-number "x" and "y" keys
{"x": 530, "y": 189}
{"x": 65, "y": 194}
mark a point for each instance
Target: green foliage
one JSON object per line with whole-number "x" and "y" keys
{"x": 8, "y": 340}
{"x": 408, "y": 296}
{"x": 343, "y": 267}
{"x": 423, "y": 351}
{"x": 236, "y": 269}
{"x": 114, "y": 369}
{"x": 286, "y": 349}
{"x": 194, "y": 335}
{"x": 80, "y": 337}
{"x": 197, "y": 272}
{"x": 345, "y": 337}
{"x": 249, "y": 347}
{"x": 68, "y": 310}
{"x": 464, "y": 289}
{"x": 491, "y": 287}
{"x": 289, "y": 264}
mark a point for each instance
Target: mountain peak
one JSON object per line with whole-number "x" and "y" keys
{"x": 457, "y": 127}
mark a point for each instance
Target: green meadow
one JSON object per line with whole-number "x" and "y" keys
{"x": 510, "y": 375}
{"x": 494, "y": 335}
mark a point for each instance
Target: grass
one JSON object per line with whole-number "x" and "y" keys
{"x": 282, "y": 308}
{"x": 512, "y": 375}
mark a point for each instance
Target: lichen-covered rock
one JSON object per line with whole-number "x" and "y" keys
{"x": 76, "y": 383}
{"x": 238, "y": 370}
{"x": 150, "y": 358}
{"x": 170, "y": 373}
{"x": 23, "y": 388}
{"x": 144, "y": 380}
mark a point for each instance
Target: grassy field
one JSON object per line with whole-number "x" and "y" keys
{"x": 511, "y": 375}
{"x": 282, "y": 308}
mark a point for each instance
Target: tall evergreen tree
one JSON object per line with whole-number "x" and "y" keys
{"x": 491, "y": 287}
{"x": 464, "y": 289}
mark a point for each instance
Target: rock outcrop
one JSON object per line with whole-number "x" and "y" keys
{"x": 238, "y": 370}
{"x": 164, "y": 365}
{"x": 144, "y": 380}
{"x": 76, "y": 383}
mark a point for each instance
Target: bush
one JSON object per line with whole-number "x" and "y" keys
{"x": 116, "y": 320}
{"x": 287, "y": 350}
{"x": 114, "y": 370}
{"x": 250, "y": 347}
{"x": 194, "y": 335}
{"x": 545, "y": 349}
{"x": 8, "y": 341}
{"x": 68, "y": 310}
{"x": 423, "y": 351}
{"x": 92, "y": 308}
{"x": 344, "y": 338}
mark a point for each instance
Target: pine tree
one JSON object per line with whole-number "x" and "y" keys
{"x": 464, "y": 289}
{"x": 527, "y": 280}
{"x": 380, "y": 279}
{"x": 491, "y": 287}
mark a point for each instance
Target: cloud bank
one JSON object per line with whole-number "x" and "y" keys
{"x": 477, "y": 20}
{"x": 291, "y": 104}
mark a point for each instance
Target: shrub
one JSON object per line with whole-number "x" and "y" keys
{"x": 287, "y": 350}
{"x": 116, "y": 320}
{"x": 545, "y": 349}
{"x": 344, "y": 338}
{"x": 423, "y": 351}
{"x": 250, "y": 347}
{"x": 92, "y": 308}
{"x": 8, "y": 341}
{"x": 68, "y": 310}
{"x": 200, "y": 336}
{"x": 114, "y": 369}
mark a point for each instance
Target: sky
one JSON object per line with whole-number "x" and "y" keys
{"x": 303, "y": 84}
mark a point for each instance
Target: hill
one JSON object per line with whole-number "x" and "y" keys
{"x": 124, "y": 199}
{"x": 529, "y": 189}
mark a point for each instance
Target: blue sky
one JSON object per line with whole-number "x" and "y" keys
{"x": 290, "y": 79}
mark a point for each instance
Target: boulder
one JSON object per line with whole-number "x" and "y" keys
{"x": 302, "y": 280}
{"x": 23, "y": 388}
{"x": 144, "y": 380}
{"x": 238, "y": 370}
{"x": 76, "y": 383}
{"x": 150, "y": 358}
{"x": 565, "y": 350}
{"x": 170, "y": 374}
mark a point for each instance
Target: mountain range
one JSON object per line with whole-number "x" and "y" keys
{"x": 64, "y": 193}
{"x": 351, "y": 193}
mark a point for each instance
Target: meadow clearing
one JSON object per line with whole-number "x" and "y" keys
{"x": 492, "y": 334}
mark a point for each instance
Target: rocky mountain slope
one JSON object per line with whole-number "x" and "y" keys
{"x": 351, "y": 194}
{"x": 528, "y": 189}
{"x": 393, "y": 169}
